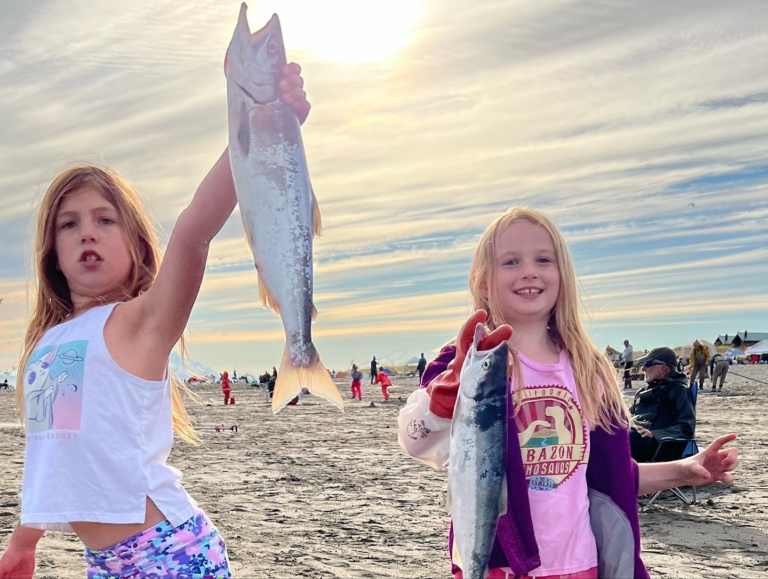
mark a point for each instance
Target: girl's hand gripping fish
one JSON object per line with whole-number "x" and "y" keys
{"x": 476, "y": 470}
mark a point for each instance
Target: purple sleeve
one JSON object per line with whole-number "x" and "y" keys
{"x": 438, "y": 365}
{"x": 635, "y": 474}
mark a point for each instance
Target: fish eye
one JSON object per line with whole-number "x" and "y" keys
{"x": 486, "y": 364}
{"x": 272, "y": 47}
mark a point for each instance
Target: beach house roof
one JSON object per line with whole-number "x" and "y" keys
{"x": 741, "y": 338}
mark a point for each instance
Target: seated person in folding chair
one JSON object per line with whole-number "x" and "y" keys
{"x": 664, "y": 408}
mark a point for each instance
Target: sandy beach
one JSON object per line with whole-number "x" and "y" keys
{"x": 313, "y": 492}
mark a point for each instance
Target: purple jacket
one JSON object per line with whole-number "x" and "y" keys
{"x": 612, "y": 478}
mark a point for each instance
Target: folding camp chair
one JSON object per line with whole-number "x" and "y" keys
{"x": 690, "y": 449}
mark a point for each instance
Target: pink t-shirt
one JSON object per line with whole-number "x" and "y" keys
{"x": 554, "y": 441}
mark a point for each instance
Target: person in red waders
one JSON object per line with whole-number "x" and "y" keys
{"x": 357, "y": 377}
{"x": 226, "y": 388}
{"x": 383, "y": 379}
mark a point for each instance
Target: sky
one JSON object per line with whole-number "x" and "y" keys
{"x": 641, "y": 128}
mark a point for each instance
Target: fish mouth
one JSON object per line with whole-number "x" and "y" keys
{"x": 243, "y": 42}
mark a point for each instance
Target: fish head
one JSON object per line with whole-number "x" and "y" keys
{"x": 255, "y": 62}
{"x": 484, "y": 373}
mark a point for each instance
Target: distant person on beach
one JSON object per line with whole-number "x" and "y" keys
{"x": 226, "y": 387}
{"x": 357, "y": 378}
{"x": 374, "y": 366}
{"x": 98, "y": 401}
{"x": 274, "y": 373}
{"x": 663, "y": 408}
{"x": 422, "y": 366}
{"x": 628, "y": 359}
{"x": 385, "y": 382}
{"x": 565, "y": 397}
{"x": 699, "y": 359}
{"x": 718, "y": 369}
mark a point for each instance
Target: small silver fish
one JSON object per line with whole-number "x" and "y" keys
{"x": 278, "y": 206}
{"x": 477, "y": 464}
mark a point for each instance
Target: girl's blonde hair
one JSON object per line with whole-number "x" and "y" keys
{"x": 596, "y": 379}
{"x": 53, "y": 302}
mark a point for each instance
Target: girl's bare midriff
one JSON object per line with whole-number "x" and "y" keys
{"x": 98, "y": 536}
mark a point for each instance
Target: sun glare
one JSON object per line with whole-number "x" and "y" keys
{"x": 354, "y": 31}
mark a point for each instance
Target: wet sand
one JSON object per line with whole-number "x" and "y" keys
{"x": 313, "y": 492}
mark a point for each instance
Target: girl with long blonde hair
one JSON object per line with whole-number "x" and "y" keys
{"x": 96, "y": 393}
{"x": 572, "y": 485}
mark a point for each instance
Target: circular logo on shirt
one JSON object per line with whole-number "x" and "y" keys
{"x": 552, "y": 436}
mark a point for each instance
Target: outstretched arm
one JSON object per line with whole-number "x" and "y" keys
{"x": 714, "y": 464}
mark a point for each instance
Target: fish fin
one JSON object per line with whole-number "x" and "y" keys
{"x": 314, "y": 313}
{"x": 503, "y": 497}
{"x": 248, "y": 229}
{"x": 317, "y": 225}
{"x": 315, "y": 377}
{"x": 266, "y": 298}
{"x": 455, "y": 556}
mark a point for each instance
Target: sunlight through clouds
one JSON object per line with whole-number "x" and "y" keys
{"x": 347, "y": 31}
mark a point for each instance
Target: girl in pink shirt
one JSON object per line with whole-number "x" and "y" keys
{"x": 564, "y": 399}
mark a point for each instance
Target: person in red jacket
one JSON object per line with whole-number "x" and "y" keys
{"x": 357, "y": 377}
{"x": 226, "y": 388}
{"x": 383, "y": 379}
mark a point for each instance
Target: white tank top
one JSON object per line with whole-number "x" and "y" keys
{"x": 97, "y": 436}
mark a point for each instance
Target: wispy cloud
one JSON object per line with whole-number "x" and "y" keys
{"x": 640, "y": 127}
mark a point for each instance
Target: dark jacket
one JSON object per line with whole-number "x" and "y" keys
{"x": 612, "y": 478}
{"x": 665, "y": 407}
{"x": 422, "y": 364}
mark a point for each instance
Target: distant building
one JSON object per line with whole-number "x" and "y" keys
{"x": 741, "y": 340}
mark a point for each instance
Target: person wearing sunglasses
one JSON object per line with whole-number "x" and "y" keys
{"x": 662, "y": 408}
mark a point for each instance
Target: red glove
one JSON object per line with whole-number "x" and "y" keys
{"x": 445, "y": 387}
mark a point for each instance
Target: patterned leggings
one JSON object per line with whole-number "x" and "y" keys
{"x": 502, "y": 574}
{"x": 193, "y": 550}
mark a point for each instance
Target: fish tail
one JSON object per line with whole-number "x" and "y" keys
{"x": 315, "y": 377}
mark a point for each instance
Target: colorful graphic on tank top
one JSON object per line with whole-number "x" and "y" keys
{"x": 552, "y": 434}
{"x": 53, "y": 387}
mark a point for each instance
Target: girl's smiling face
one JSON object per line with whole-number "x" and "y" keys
{"x": 527, "y": 276}
{"x": 90, "y": 246}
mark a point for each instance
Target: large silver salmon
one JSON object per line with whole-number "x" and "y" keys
{"x": 276, "y": 200}
{"x": 477, "y": 463}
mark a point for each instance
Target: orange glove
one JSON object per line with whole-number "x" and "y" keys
{"x": 445, "y": 387}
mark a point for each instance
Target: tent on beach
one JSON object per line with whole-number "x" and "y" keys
{"x": 757, "y": 349}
